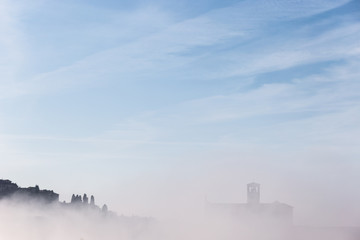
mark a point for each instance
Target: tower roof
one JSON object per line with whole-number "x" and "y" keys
{"x": 253, "y": 184}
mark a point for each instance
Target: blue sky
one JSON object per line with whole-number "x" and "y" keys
{"x": 204, "y": 95}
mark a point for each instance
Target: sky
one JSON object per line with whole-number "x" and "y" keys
{"x": 149, "y": 102}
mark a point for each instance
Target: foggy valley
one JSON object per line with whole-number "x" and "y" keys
{"x": 32, "y": 213}
{"x": 179, "y": 119}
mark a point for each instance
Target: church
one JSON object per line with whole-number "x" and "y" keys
{"x": 254, "y": 211}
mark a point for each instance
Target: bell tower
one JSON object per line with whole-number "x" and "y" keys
{"x": 253, "y": 193}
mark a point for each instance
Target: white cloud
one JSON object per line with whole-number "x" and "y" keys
{"x": 11, "y": 41}
{"x": 152, "y": 56}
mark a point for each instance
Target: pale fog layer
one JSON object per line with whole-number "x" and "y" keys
{"x": 26, "y": 219}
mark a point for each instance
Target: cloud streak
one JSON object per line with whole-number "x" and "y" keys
{"x": 139, "y": 61}
{"x": 148, "y": 97}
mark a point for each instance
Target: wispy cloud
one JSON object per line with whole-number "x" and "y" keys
{"x": 167, "y": 52}
{"x": 117, "y": 91}
{"x": 161, "y": 53}
{"x": 11, "y": 43}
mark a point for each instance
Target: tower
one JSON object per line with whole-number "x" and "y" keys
{"x": 253, "y": 193}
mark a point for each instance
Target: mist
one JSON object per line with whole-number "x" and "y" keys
{"x": 180, "y": 120}
{"x": 33, "y": 220}
{"x": 29, "y": 216}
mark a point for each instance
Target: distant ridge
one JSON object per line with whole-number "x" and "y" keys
{"x": 10, "y": 190}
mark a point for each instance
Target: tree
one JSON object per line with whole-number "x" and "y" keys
{"x": 85, "y": 199}
{"x": 104, "y": 209}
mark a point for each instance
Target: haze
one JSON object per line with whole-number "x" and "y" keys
{"x": 154, "y": 106}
